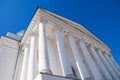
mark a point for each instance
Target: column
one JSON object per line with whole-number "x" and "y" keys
{"x": 118, "y": 67}
{"x": 79, "y": 62}
{"x": 107, "y": 65}
{"x": 31, "y": 58}
{"x": 112, "y": 65}
{"x": 24, "y": 64}
{"x": 43, "y": 63}
{"x": 100, "y": 64}
{"x": 90, "y": 62}
{"x": 66, "y": 67}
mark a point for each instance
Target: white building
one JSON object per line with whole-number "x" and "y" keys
{"x": 55, "y": 48}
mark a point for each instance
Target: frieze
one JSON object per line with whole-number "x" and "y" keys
{"x": 63, "y": 22}
{"x": 9, "y": 42}
{"x": 69, "y": 25}
{"x": 31, "y": 26}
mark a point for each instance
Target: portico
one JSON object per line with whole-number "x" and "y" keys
{"x": 65, "y": 49}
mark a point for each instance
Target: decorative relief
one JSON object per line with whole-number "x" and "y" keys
{"x": 7, "y": 42}
{"x": 43, "y": 20}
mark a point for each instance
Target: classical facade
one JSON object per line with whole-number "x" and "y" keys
{"x": 55, "y": 48}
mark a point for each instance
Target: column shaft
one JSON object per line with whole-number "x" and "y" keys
{"x": 43, "y": 63}
{"x": 112, "y": 65}
{"x": 118, "y": 67}
{"x": 107, "y": 65}
{"x": 66, "y": 67}
{"x": 31, "y": 59}
{"x": 24, "y": 65}
{"x": 100, "y": 64}
{"x": 90, "y": 62}
{"x": 79, "y": 62}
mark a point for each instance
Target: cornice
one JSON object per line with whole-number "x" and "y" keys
{"x": 7, "y": 42}
{"x": 33, "y": 22}
{"x": 70, "y": 25}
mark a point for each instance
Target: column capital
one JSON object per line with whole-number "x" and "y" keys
{"x": 67, "y": 32}
{"x": 74, "y": 36}
{"x": 98, "y": 49}
{"x": 95, "y": 47}
{"x": 58, "y": 27}
{"x": 23, "y": 46}
{"x": 110, "y": 55}
{"x": 106, "y": 52}
{"x": 27, "y": 45}
{"x": 77, "y": 38}
{"x": 34, "y": 34}
{"x": 88, "y": 44}
{"x": 103, "y": 52}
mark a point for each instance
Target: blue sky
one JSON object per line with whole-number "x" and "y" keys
{"x": 101, "y": 17}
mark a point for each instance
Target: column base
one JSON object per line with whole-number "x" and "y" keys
{"x": 70, "y": 76}
{"x": 89, "y": 78}
{"x": 47, "y": 71}
{"x": 44, "y": 76}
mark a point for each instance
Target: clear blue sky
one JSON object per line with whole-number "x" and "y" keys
{"x": 101, "y": 17}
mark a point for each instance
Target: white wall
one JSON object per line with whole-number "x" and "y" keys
{"x": 8, "y": 56}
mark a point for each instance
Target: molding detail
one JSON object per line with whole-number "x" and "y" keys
{"x": 67, "y": 24}
{"x": 9, "y": 42}
{"x": 74, "y": 27}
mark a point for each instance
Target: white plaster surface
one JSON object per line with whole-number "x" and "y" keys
{"x": 8, "y": 56}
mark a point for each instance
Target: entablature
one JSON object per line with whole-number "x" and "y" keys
{"x": 10, "y": 43}
{"x": 65, "y": 23}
